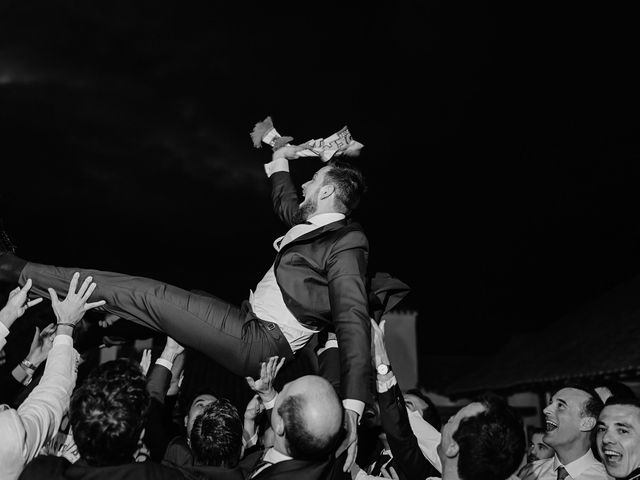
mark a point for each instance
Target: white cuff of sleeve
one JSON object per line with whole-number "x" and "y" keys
{"x": 62, "y": 339}
{"x": 327, "y": 346}
{"x": 280, "y": 164}
{"x": 4, "y": 331}
{"x": 355, "y": 405}
{"x": 386, "y": 385}
{"x": 165, "y": 363}
{"x": 269, "y": 405}
{"x": 251, "y": 442}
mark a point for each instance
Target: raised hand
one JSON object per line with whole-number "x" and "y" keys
{"x": 379, "y": 352}
{"x": 17, "y": 304}
{"x": 73, "y": 307}
{"x": 145, "y": 360}
{"x": 350, "y": 442}
{"x": 391, "y": 473}
{"x": 264, "y": 385}
{"x": 41, "y": 344}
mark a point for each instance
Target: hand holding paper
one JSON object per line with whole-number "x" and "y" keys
{"x": 340, "y": 143}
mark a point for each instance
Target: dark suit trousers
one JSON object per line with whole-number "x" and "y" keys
{"x": 231, "y": 336}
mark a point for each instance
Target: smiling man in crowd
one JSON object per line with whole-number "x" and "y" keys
{"x": 618, "y": 437}
{"x": 570, "y": 419}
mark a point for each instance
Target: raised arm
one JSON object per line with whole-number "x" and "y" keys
{"x": 283, "y": 192}
{"x": 39, "y": 416}
{"x": 395, "y": 419}
{"x": 16, "y": 305}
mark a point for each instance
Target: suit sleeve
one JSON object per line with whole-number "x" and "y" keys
{"x": 284, "y": 197}
{"x": 403, "y": 443}
{"x": 157, "y": 435}
{"x": 349, "y": 309}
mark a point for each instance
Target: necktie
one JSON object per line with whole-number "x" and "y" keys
{"x": 562, "y": 473}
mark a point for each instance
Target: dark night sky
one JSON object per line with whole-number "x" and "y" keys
{"x": 501, "y": 144}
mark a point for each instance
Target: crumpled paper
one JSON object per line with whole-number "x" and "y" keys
{"x": 340, "y": 143}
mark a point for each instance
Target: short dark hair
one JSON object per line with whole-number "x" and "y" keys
{"x": 492, "y": 443}
{"x": 349, "y": 182}
{"x": 108, "y": 412}
{"x": 216, "y": 436}
{"x": 429, "y": 414}
{"x": 302, "y": 444}
{"x": 623, "y": 400}
{"x": 593, "y": 406}
{"x": 617, "y": 389}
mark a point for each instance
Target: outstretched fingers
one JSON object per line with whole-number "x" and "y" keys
{"x": 54, "y": 296}
{"x": 89, "y": 306}
{"x": 73, "y": 285}
{"x": 85, "y": 286}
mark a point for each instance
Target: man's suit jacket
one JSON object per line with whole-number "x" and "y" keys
{"x": 51, "y": 467}
{"x": 160, "y": 428}
{"x": 402, "y": 442}
{"x": 328, "y": 469}
{"x": 322, "y": 276}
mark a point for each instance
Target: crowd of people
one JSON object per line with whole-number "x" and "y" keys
{"x": 307, "y": 345}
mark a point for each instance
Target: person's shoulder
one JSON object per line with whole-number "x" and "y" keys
{"x": 351, "y": 232}
{"x": 536, "y": 469}
{"x": 45, "y": 466}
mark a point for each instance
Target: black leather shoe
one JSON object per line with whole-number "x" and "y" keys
{"x": 6, "y": 245}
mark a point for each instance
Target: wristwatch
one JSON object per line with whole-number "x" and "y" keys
{"x": 383, "y": 369}
{"x": 29, "y": 367}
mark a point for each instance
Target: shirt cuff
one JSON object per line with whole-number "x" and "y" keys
{"x": 280, "y": 164}
{"x": 386, "y": 384}
{"x": 269, "y": 405}
{"x": 251, "y": 442}
{"x": 355, "y": 405}
{"x": 327, "y": 346}
{"x": 62, "y": 339}
{"x": 165, "y": 363}
{"x": 4, "y": 331}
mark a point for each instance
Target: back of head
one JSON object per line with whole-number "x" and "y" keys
{"x": 349, "y": 182}
{"x": 108, "y": 412}
{"x": 216, "y": 436}
{"x": 311, "y": 413}
{"x": 608, "y": 388}
{"x": 492, "y": 443}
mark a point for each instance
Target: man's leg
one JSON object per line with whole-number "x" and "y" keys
{"x": 205, "y": 323}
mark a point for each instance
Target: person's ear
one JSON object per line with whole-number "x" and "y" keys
{"x": 452, "y": 449}
{"x": 278, "y": 428}
{"x": 327, "y": 190}
{"x": 587, "y": 424}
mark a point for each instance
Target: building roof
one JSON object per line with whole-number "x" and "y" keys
{"x": 600, "y": 340}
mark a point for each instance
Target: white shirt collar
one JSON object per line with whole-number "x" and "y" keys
{"x": 578, "y": 466}
{"x": 274, "y": 456}
{"x": 325, "y": 218}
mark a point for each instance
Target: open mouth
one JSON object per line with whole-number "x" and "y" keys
{"x": 550, "y": 426}
{"x": 611, "y": 456}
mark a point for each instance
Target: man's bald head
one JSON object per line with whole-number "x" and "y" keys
{"x": 307, "y": 418}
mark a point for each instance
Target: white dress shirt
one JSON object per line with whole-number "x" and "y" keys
{"x": 25, "y": 430}
{"x": 267, "y": 301}
{"x": 272, "y": 456}
{"x": 586, "y": 467}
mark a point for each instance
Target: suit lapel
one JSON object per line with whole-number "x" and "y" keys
{"x": 329, "y": 227}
